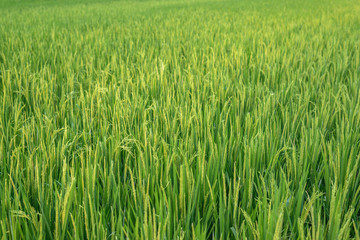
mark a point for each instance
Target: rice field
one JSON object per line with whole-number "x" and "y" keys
{"x": 180, "y": 119}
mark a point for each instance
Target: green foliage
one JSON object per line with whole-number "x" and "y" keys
{"x": 180, "y": 119}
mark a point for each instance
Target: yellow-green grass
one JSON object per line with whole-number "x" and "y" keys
{"x": 178, "y": 119}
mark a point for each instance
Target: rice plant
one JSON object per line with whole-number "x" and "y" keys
{"x": 181, "y": 119}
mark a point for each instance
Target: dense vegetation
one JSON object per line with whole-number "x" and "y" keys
{"x": 180, "y": 119}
